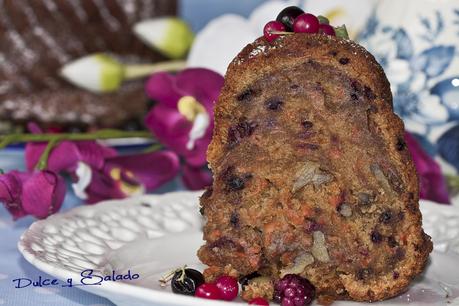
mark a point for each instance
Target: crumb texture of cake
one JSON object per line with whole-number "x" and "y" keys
{"x": 311, "y": 173}
{"x": 39, "y": 37}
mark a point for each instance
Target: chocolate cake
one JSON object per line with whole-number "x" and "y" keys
{"x": 311, "y": 173}
{"x": 39, "y": 37}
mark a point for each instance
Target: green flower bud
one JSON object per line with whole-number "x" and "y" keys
{"x": 169, "y": 35}
{"x": 96, "y": 72}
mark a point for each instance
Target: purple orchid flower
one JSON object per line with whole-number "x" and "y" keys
{"x": 432, "y": 183}
{"x": 132, "y": 175}
{"x": 39, "y": 193}
{"x": 183, "y": 117}
{"x": 99, "y": 173}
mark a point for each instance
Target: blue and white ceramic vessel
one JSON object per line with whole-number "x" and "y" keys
{"x": 417, "y": 43}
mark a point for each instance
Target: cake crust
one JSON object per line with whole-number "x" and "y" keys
{"x": 311, "y": 173}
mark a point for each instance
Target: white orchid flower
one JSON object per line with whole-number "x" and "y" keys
{"x": 224, "y": 37}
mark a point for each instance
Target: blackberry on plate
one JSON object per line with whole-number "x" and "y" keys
{"x": 293, "y": 290}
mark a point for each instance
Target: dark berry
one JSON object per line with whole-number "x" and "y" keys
{"x": 234, "y": 219}
{"x": 270, "y": 27}
{"x": 245, "y": 95}
{"x": 306, "y": 23}
{"x": 185, "y": 281}
{"x": 287, "y": 16}
{"x": 363, "y": 274}
{"x": 326, "y": 29}
{"x": 293, "y": 290}
{"x": 369, "y": 94}
{"x": 241, "y": 130}
{"x": 392, "y": 242}
{"x": 208, "y": 291}
{"x": 233, "y": 180}
{"x": 259, "y": 301}
{"x": 376, "y": 237}
{"x": 312, "y": 146}
{"x": 385, "y": 217}
{"x": 399, "y": 254}
{"x": 228, "y": 287}
{"x": 307, "y": 124}
{"x": 344, "y": 61}
{"x": 274, "y": 104}
{"x": 401, "y": 145}
{"x": 244, "y": 281}
{"x": 235, "y": 183}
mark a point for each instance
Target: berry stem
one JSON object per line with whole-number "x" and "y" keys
{"x": 281, "y": 33}
{"x": 168, "y": 276}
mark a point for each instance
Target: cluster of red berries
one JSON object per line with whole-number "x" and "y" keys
{"x": 224, "y": 288}
{"x": 294, "y": 19}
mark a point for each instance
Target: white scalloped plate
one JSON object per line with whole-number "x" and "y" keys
{"x": 153, "y": 234}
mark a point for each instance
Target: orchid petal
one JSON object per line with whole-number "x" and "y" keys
{"x": 432, "y": 182}
{"x": 196, "y": 178}
{"x": 151, "y": 169}
{"x": 10, "y": 192}
{"x": 161, "y": 87}
{"x": 63, "y": 157}
{"x": 200, "y": 125}
{"x": 169, "y": 126}
{"x": 102, "y": 187}
{"x": 93, "y": 153}
{"x": 206, "y": 90}
{"x": 197, "y": 156}
{"x": 43, "y": 194}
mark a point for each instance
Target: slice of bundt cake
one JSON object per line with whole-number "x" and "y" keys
{"x": 311, "y": 173}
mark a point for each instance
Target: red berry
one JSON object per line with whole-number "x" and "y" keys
{"x": 273, "y": 26}
{"x": 228, "y": 287}
{"x": 306, "y": 23}
{"x": 326, "y": 29}
{"x": 259, "y": 301}
{"x": 208, "y": 291}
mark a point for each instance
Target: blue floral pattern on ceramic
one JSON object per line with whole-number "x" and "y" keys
{"x": 423, "y": 96}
